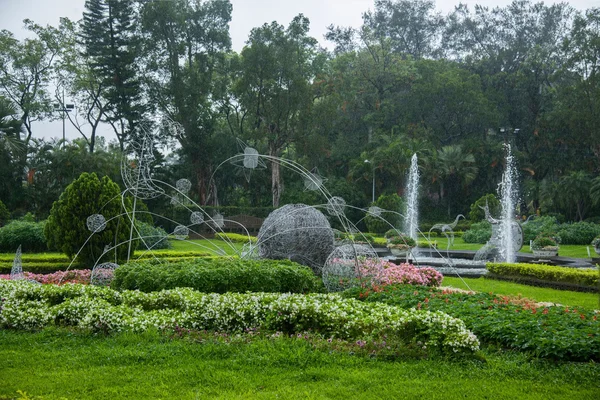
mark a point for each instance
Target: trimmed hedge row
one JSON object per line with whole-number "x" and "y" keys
{"x": 45, "y": 263}
{"x": 235, "y": 237}
{"x": 218, "y": 275}
{"x": 551, "y": 273}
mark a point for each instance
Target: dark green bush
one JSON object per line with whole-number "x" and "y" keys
{"x": 538, "y": 225}
{"x": 30, "y": 235}
{"x": 480, "y": 232}
{"x": 578, "y": 233}
{"x": 154, "y": 238}
{"x": 551, "y": 273}
{"x": 4, "y": 214}
{"x": 392, "y": 204}
{"x": 477, "y": 214}
{"x": 66, "y": 229}
{"x": 217, "y": 275}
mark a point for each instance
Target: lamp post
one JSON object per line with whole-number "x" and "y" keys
{"x": 373, "y": 169}
{"x": 63, "y": 108}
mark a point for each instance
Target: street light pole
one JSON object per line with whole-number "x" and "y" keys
{"x": 372, "y": 169}
{"x": 63, "y": 108}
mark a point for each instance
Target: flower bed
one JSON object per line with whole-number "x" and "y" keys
{"x": 553, "y": 332}
{"x": 59, "y": 277}
{"x": 29, "y": 306}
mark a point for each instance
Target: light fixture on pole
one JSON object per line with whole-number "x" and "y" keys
{"x": 63, "y": 109}
{"x": 373, "y": 169}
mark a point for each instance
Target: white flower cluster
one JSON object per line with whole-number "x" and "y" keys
{"x": 28, "y": 306}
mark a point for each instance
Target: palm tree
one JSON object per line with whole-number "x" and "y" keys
{"x": 10, "y": 128}
{"x": 455, "y": 170}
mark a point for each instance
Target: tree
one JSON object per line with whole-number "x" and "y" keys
{"x": 111, "y": 46}
{"x": 66, "y": 229}
{"x": 274, "y": 87}
{"x": 12, "y": 154}
{"x": 186, "y": 42}
{"x": 26, "y": 70}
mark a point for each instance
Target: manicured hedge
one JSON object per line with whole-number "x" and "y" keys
{"x": 218, "y": 275}
{"x": 28, "y": 235}
{"x": 551, "y": 273}
{"x": 45, "y": 263}
{"x": 235, "y": 237}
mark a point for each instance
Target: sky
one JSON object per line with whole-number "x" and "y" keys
{"x": 247, "y": 14}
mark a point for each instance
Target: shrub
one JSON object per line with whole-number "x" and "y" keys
{"x": 28, "y": 235}
{"x": 392, "y": 204}
{"x": 578, "y": 233}
{"x": 218, "y": 275}
{"x": 154, "y": 238}
{"x": 4, "y": 214}
{"x": 477, "y": 214}
{"x": 534, "y": 227}
{"x": 426, "y": 244}
{"x": 544, "y": 243}
{"x": 28, "y": 306}
{"x": 551, "y": 273}
{"x": 67, "y": 231}
{"x": 480, "y": 232}
{"x": 401, "y": 240}
{"x": 596, "y": 242}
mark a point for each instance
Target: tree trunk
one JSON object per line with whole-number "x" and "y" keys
{"x": 276, "y": 188}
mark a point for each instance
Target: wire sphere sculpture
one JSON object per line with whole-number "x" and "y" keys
{"x": 183, "y": 185}
{"x": 251, "y": 160}
{"x": 103, "y": 274}
{"x": 350, "y": 265}
{"x": 375, "y": 211}
{"x": 313, "y": 180}
{"x": 218, "y": 221}
{"x": 297, "y": 232}
{"x": 196, "y": 218}
{"x": 181, "y": 232}
{"x": 96, "y": 223}
{"x": 335, "y": 206}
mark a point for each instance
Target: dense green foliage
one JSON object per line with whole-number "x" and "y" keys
{"x": 480, "y": 232}
{"x": 218, "y": 275}
{"x": 478, "y": 214}
{"x": 154, "y": 238}
{"x": 28, "y": 235}
{"x": 554, "y": 332}
{"x": 551, "y": 273}
{"x": 4, "y": 214}
{"x": 392, "y": 206}
{"x": 67, "y": 231}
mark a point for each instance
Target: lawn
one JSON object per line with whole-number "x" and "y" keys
{"x": 56, "y": 364}
{"x": 564, "y": 297}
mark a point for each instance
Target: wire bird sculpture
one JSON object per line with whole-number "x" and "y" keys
{"x": 447, "y": 230}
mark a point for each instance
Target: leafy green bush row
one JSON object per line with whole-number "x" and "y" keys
{"x": 552, "y": 332}
{"x": 544, "y": 272}
{"x": 480, "y": 232}
{"x": 28, "y": 235}
{"x": 218, "y": 275}
{"x": 29, "y": 306}
{"x": 235, "y": 237}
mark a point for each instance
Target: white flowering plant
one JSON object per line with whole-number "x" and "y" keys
{"x": 29, "y": 306}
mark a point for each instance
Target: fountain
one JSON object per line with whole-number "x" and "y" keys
{"x": 509, "y": 195}
{"x": 411, "y": 219}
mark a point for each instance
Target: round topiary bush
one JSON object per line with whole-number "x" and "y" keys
{"x": 67, "y": 229}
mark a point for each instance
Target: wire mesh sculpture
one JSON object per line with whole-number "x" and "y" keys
{"x": 335, "y": 206}
{"x": 491, "y": 250}
{"x": 350, "y": 265}
{"x": 16, "y": 273}
{"x": 446, "y": 229}
{"x": 136, "y": 170}
{"x": 103, "y": 274}
{"x": 313, "y": 180}
{"x": 181, "y": 232}
{"x": 297, "y": 232}
{"x": 96, "y": 223}
{"x": 196, "y": 218}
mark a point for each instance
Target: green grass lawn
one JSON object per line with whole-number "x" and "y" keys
{"x": 564, "y": 297}
{"x": 213, "y": 246}
{"x": 57, "y": 364}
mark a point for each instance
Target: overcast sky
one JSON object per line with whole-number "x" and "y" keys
{"x": 247, "y": 14}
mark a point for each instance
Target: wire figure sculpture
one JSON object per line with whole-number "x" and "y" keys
{"x": 447, "y": 230}
{"x": 16, "y": 273}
